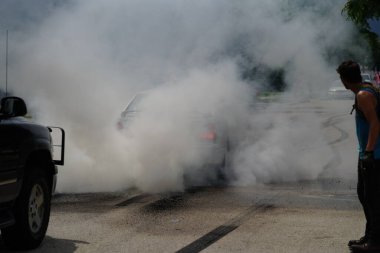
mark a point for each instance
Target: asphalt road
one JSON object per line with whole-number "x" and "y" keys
{"x": 308, "y": 216}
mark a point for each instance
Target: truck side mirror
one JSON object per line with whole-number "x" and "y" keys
{"x": 13, "y": 107}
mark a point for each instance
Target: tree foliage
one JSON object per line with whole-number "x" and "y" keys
{"x": 360, "y": 11}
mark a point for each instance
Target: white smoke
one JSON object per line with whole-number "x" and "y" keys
{"x": 80, "y": 65}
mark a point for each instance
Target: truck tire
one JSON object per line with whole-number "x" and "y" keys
{"x": 31, "y": 211}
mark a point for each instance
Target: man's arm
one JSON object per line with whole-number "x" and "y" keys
{"x": 367, "y": 104}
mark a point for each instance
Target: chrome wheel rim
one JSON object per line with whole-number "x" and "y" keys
{"x": 36, "y": 208}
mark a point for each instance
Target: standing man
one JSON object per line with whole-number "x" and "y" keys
{"x": 367, "y": 129}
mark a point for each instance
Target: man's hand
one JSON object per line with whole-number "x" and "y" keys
{"x": 368, "y": 160}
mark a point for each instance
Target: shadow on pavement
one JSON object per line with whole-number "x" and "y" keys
{"x": 50, "y": 244}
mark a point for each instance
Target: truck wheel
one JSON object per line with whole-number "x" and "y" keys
{"x": 31, "y": 211}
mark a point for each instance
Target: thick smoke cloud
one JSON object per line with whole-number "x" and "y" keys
{"x": 78, "y": 63}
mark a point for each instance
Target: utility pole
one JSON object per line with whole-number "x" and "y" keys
{"x": 6, "y": 65}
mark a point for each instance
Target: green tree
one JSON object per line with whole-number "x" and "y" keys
{"x": 360, "y": 11}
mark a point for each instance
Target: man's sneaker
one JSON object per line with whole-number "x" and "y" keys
{"x": 366, "y": 247}
{"x": 357, "y": 242}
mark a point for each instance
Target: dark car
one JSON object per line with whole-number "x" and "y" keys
{"x": 209, "y": 134}
{"x": 28, "y": 175}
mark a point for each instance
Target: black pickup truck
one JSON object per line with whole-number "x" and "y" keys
{"x": 28, "y": 175}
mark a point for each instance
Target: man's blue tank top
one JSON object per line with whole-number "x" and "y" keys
{"x": 362, "y": 129}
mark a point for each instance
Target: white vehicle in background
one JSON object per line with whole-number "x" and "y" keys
{"x": 209, "y": 134}
{"x": 338, "y": 91}
{"x": 366, "y": 77}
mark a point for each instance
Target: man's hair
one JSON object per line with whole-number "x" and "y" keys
{"x": 350, "y": 71}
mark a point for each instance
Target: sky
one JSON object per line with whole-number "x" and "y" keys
{"x": 375, "y": 26}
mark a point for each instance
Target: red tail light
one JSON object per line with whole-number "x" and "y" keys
{"x": 210, "y": 134}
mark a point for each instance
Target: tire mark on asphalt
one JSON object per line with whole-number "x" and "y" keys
{"x": 207, "y": 239}
{"x": 221, "y": 231}
{"x": 332, "y": 122}
{"x": 166, "y": 203}
{"x": 135, "y": 199}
